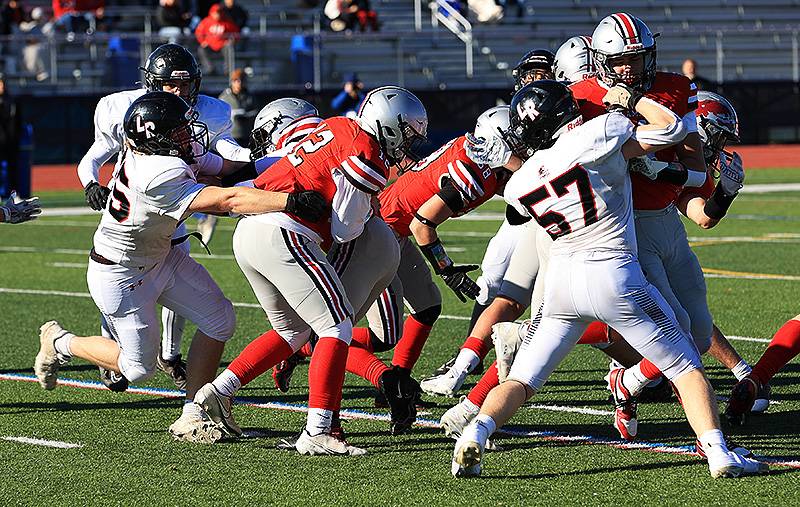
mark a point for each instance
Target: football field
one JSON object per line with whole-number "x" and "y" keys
{"x": 84, "y": 445}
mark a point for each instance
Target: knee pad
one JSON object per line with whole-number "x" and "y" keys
{"x": 222, "y": 326}
{"x": 343, "y": 331}
{"x": 297, "y": 340}
{"x": 428, "y": 316}
{"x": 489, "y": 287}
{"x": 134, "y": 369}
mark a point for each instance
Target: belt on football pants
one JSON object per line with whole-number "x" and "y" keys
{"x": 100, "y": 259}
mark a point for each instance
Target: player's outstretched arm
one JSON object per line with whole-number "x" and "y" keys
{"x": 663, "y": 129}
{"x": 308, "y": 205}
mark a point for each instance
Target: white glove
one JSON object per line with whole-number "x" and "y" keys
{"x": 621, "y": 96}
{"x": 647, "y": 166}
{"x": 16, "y": 210}
{"x": 731, "y": 173}
{"x": 507, "y": 338}
{"x": 493, "y": 151}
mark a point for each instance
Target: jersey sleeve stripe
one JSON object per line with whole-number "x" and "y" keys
{"x": 359, "y": 181}
{"x": 458, "y": 181}
{"x": 468, "y": 181}
{"x": 301, "y": 127}
{"x": 368, "y": 171}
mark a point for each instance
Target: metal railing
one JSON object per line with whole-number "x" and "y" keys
{"x": 458, "y": 25}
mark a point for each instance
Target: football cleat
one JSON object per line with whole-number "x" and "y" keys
{"x": 445, "y": 367}
{"x": 282, "y": 372}
{"x": 625, "y": 420}
{"x": 467, "y": 457}
{"x": 175, "y": 369}
{"x": 458, "y": 417}
{"x": 444, "y": 385}
{"x": 218, "y": 408}
{"x": 206, "y": 227}
{"x": 337, "y": 432}
{"x": 325, "y": 444}
{"x": 113, "y": 381}
{"x": 730, "y": 444}
{"x": 730, "y": 465}
{"x": 400, "y": 392}
{"x": 762, "y": 399}
{"x": 196, "y": 428}
{"x": 48, "y": 361}
{"x": 742, "y": 398}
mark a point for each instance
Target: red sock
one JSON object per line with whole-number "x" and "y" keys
{"x": 784, "y": 346}
{"x": 480, "y": 347}
{"x": 259, "y": 356}
{"x": 361, "y": 360}
{"x": 649, "y": 370}
{"x": 326, "y": 374}
{"x": 488, "y": 382}
{"x": 306, "y": 350}
{"x": 409, "y": 347}
{"x": 597, "y": 332}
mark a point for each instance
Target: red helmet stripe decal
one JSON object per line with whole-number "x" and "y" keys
{"x": 629, "y": 27}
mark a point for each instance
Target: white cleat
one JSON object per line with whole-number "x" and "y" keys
{"x": 507, "y": 339}
{"x": 325, "y": 444}
{"x": 731, "y": 465}
{"x": 458, "y": 417}
{"x": 467, "y": 457}
{"x": 196, "y": 428}
{"x": 444, "y": 385}
{"x": 48, "y": 361}
{"x": 218, "y": 408}
{"x": 206, "y": 227}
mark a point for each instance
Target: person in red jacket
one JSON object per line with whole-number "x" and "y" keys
{"x": 213, "y": 33}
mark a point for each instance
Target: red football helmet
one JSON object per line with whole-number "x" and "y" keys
{"x": 717, "y": 124}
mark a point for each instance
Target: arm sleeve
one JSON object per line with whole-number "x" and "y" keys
{"x": 351, "y": 209}
{"x": 105, "y": 145}
{"x": 172, "y": 194}
{"x": 451, "y": 196}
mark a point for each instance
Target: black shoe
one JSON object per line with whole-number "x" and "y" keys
{"x": 113, "y": 380}
{"x": 400, "y": 391}
{"x": 175, "y": 369}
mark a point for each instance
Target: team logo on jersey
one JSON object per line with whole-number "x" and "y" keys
{"x": 147, "y": 127}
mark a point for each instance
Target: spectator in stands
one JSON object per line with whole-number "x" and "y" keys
{"x": 10, "y": 130}
{"x": 338, "y": 12}
{"x": 242, "y": 104}
{"x": 11, "y": 15}
{"x": 214, "y": 33}
{"x": 364, "y": 14}
{"x": 234, "y": 12}
{"x": 33, "y": 53}
{"x": 76, "y": 15}
{"x": 171, "y": 14}
{"x": 347, "y": 102}
{"x": 689, "y": 69}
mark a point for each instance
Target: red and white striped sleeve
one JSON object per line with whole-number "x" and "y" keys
{"x": 364, "y": 174}
{"x": 466, "y": 177}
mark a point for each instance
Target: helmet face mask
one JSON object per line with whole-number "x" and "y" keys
{"x": 409, "y": 150}
{"x": 534, "y": 66}
{"x": 620, "y": 38}
{"x": 717, "y": 125}
{"x": 274, "y": 124}
{"x": 171, "y": 64}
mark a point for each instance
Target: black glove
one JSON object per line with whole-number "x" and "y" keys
{"x": 96, "y": 195}
{"x": 456, "y": 278}
{"x": 308, "y": 205}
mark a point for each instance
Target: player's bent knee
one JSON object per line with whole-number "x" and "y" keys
{"x": 134, "y": 369}
{"x": 222, "y": 324}
{"x": 489, "y": 287}
{"x": 428, "y": 316}
{"x": 342, "y": 331}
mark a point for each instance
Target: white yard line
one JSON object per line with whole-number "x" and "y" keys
{"x": 42, "y": 442}
{"x": 80, "y": 265}
{"x": 574, "y": 410}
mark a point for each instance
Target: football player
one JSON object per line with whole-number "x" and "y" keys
{"x": 574, "y": 61}
{"x": 535, "y": 65}
{"x": 347, "y": 161}
{"x": 576, "y": 186}
{"x": 16, "y": 210}
{"x": 134, "y": 265}
{"x": 170, "y": 68}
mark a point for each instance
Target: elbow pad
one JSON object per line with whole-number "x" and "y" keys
{"x": 666, "y": 136}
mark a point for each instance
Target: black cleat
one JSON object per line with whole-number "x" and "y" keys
{"x": 114, "y": 381}
{"x": 175, "y": 368}
{"x": 400, "y": 390}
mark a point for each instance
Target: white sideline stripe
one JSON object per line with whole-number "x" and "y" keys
{"x": 81, "y": 265}
{"x": 787, "y": 278}
{"x": 574, "y": 410}
{"x": 425, "y": 423}
{"x": 45, "y": 443}
{"x": 39, "y": 292}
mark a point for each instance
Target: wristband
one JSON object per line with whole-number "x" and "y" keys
{"x": 437, "y": 256}
{"x": 717, "y": 205}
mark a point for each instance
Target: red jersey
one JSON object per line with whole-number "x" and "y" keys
{"x": 475, "y": 185}
{"x": 344, "y": 164}
{"x": 673, "y": 91}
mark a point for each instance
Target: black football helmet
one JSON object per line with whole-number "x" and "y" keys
{"x": 172, "y": 62}
{"x": 537, "y": 64}
{"x": 538, "y": 112}
{"x": 161, "y": 123}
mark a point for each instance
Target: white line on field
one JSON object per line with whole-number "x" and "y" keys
{"x": 574, "y": 410}
{"x": 81, "y": 265}
{"x": 787, "y": 278}
{"x": 42, "y": 442}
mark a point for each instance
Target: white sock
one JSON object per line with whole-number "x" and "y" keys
{"x": 713, "y": 442}
{"x": 191, "y": 408}
{"x": 466, "y": 361}
{"x": 63, "y": 344}
{"x": 484, "y": 427}
{"x": 741, "y": 370}
{"x": 471, "y": 407}
{"x": 227, "y": 383}
{"x": 634, "y": 380}
{"x": 318, "y": 421}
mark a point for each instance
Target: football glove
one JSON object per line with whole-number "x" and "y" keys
{"x": 456, "y": 278}
{"x": 647, "y": 166}
{"x": 96, "y": 195}
{"x": 731, "y": 173}
{"x": 16, "y": 210}
{"x": 493, "y": 151}
{"x": 621, "y": 96}
{"x": 308, "y": 205}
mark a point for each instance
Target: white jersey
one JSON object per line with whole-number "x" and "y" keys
{"x": 109, "y": 133}
{"x": 579, "y": 190}
{"x": 149, "y": 197}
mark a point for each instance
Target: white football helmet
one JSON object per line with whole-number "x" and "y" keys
{"x": 717, "y": 124}
{"x": 279, "y": 122}
{"x": 574, "y": 60}
{"x": 620, "y": 35}
{"x": 398, "y": 120}
{"x": 493, "y": 122}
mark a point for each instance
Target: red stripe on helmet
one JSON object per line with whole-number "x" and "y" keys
{"x": 630, "y": 27}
